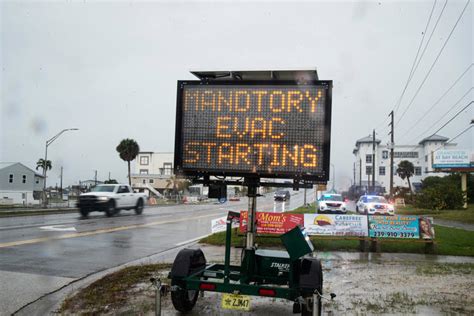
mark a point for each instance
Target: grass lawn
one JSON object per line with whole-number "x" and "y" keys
{"x": 113, "y": 289}
{"x": 449, "y": 241}
{"x": 465, "y": 216}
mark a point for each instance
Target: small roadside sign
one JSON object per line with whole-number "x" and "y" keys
{"x": 322, "y": 187}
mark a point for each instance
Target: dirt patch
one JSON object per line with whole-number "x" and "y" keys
{"x": 406, "y": 288}
{"x": 362, "y": 287}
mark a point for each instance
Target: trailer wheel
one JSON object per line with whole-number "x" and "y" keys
{"x": 311, "y": 278}
{"x": 187, "y": 262}
{"x": 184, "y": 300}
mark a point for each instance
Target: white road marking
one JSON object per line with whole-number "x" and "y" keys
{"x": 59, "y": 228}
{"x": 192, "y": 240}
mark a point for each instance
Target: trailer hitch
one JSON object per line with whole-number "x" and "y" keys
{"x": 332, "y": 295}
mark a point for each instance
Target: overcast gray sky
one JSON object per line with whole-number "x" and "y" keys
{"x": 110, "y": 69}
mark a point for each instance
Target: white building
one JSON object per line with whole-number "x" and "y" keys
{"x": 19, "y": 184}
{"x": 152, "y": 170}
{"x": 420, "y": 155}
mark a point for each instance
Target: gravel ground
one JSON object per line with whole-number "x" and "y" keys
{"x": 365, "y": 284}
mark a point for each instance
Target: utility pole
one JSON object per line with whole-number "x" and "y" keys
{"x": 392, "y": 144}
{"x": 354, "y": 171}
{"x": 61, "y": 183}
{"x": 304, "y": 203}
{"x": 360, "y": 174}
{"x": 109, "y": 175}
{"x": 373, "y": 161}
{"x": 95, "y": 178}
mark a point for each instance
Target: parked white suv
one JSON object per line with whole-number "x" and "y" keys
{"x": 111, "y": 198}
{"x": 374, "y": 205}
{"x": 331, "y": 203}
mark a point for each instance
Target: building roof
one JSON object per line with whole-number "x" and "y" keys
{"x": 4, "y": 165}
{"x": 434, "y": 138}
{"x": 367, "y": 139}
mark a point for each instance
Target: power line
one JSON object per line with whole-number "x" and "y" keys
{"x": 437, "y": 101}
{"x": 431, "y": 35}
{"x": 434, "y": 63}
{"x": 412, "y": 70}
{"x": 444, "y": 115}
{"x": 447, "y": 123}
{"x": 412, "y": 66}
{"x": 453, "y": 117}
{"x": 452, "y": 139}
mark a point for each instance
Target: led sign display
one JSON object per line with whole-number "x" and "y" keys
{"x": 278, "y": 130}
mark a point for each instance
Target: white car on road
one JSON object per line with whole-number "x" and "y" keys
{"x": 111, "y": 198}
{"x": 331, "y": 203}
{"x": 374, "y": 205}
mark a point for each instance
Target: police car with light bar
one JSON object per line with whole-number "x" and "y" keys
{"x": 374, "y": 205}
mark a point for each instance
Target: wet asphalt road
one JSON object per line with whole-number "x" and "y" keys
{"x": 39, "y": 254}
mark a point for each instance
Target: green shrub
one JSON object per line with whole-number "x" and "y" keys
{"x": 440, "y": 193}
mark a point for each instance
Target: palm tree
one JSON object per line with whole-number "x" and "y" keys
{"x": 128, "y": 149}
{"x": 177, "y": 184}
{"x": 406, "y": 170}
{"x": 41, "y": 163}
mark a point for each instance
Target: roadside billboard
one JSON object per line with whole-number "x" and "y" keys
{"x": 451, "y": 159}
{"x": 267, "y": 129}
{"x": 335, "y": 225}
{"x": 396, "y": 226}
{"x": 218, "y": 224}
{"x": 272, "y": 223}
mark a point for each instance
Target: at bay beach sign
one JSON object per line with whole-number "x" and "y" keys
{"x": 443, "y": 159}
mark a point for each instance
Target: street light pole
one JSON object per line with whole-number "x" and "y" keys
{"x": 49, "y": 142}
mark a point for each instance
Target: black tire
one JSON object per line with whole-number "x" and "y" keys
{"x": 139, "y": 207}
{"x": 187, "y": 262}
{"x": 184, "y": 300}
{"x": 84, "y": 212}
{"x": 308, "y": 310}
{"x": 110, "y": 210}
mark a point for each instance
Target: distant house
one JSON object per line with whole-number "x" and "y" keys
{"x": 19, "y": 184}
{"x": 152, "y": 170}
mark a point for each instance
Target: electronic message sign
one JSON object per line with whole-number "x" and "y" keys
{"x": 267, "y": 129}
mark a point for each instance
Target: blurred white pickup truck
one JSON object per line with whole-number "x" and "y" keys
{"x": 111, "y": 198}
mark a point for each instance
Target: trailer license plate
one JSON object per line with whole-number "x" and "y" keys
{"x": 236, "y": 301}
